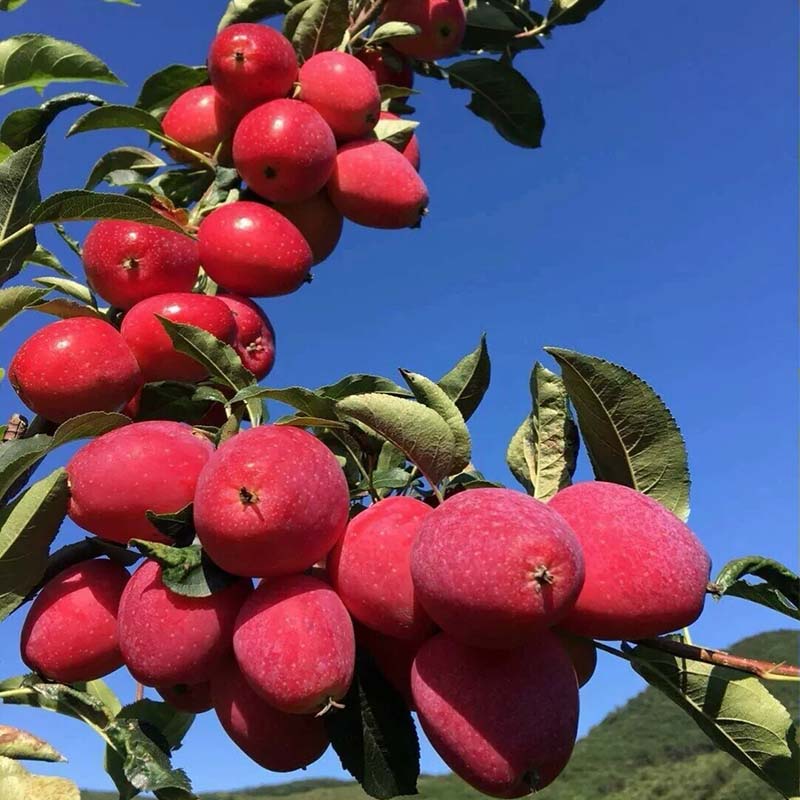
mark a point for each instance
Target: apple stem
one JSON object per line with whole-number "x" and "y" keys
{"x": 139, "y": 692}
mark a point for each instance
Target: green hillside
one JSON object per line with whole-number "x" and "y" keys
{"x": 647, "y": 749}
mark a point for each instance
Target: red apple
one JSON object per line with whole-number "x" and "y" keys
{"x": 274, "y": 740}
{"x": 146, "y": 466}
{"x": 202, "y": 121}
{"x": 191, "y": 698}
{"x": 126, "y": 262}
{"x": 253, "y": 250}
{"x": 294, "y": 643}
{"x": 370, "y": 568}
{"x": 411, "y": 148}
{"x": 375, "y": 185}
{"x": 442, "y": 24}
{"x": 493, "y": 567}
{"x": 70, "y": 633}
{"x": 255, "y": 338}
{"x": 74, "y": 366}
{"x": 284, "y": 150}
{"x": 249, "y": 64}
{"x": 503, "y": 721}
{"x": 646, "y": 572}
{"x": 150, "y": 343}
{"x": 318, "y": 221}
{"x": 167, "y": 638}
{"x": 389, "y": 67}
{"x": 344, "y": 92}
{"x": 271, "y": 501}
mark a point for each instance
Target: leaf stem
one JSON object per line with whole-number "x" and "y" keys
{"x": 16, "y": 235}
{"x": 203, "y": 159}
{"x": 24, "y": 692}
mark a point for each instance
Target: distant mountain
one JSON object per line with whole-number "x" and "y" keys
{"x": 647, "y": 749}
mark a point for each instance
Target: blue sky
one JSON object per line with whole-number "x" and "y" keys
{"x": 656, "y": 227}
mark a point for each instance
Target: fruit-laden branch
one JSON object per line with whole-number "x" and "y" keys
{"x": 763, "y": 669}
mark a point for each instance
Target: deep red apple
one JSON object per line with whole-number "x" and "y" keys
{"x": 251, "y": 249}
{"x": 168, "y": 638}
{"x": 370, "y": 568}
{"x": 255, "y": 338}
{"x": 274, "y": 740}
{"x": 150, "y": 343}
{"x": 503, "y": 721}
{"x": 646, "y": 572}
{"x": 318, "y": 220}
{"x": 389, "y": 67}
{"x": 294, "y": 643}
{"x": 201, "y": 120}
{"x": 284, "y": 150}
{"x": 126, "y": 262}
{"x": 70, "y": 633}
{"x": 493, "y": 567}
{"x": 271, "y": 501}
{"x": 74, "y": 366}
{"x": 249, "y": 64}
{"x": 146, "y": 466}
{"x": 343, "y": 90}
{"x": 375, "y": 185}
{"x": 442, "y": 23}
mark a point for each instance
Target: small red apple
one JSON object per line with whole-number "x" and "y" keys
{"x": 271, "y": 501}
{"x": 150, "y": 343}
{"x": 249, "y": 64}
{"x": 201, "y": 120}
{"x": 344, "y": 92}
{"x": 389, "y": 67}
{"x": 167, "y": 638}
{"x": 251, "y": 249}
{"x": 146, "y": 466}
{"x": 276, "y": 741}
{"x": 255, "y": 338}
{"x": 70, "y": 633}
{"x": 375, "y": 185}
{"x": 294, "y": 643}
{"x": 74, "y": 366}
{"x": 284, "y": 150}
{"x": 318, "y": 220}
{"x": 126, "y": 262}
{"x": 442, "y": 24}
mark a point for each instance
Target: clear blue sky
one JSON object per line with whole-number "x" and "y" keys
{"x": 656, "y": 227}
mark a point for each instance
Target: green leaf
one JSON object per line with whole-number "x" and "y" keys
{"x": 502, "y": 96}
{"x": 543, "y": 452}
{"x": 300, "y": 421}
{"x": 420, "y": 432}
{"x": 116, "y": 116}
{"x": 66, "y": 309}
{"x": 779, "y": 588}
{"x": 187, "y": 571}
{"x": 359, "y": 383}
{"x": 27, "y": 527}
{"x": 393, "y": 30}
{"x": 132, "y": 159}
{"x": 69, "y": 287}
{"x": 374, "y": 735}
{"x": 466, "y": 383}
{"x": 18, "y": 456}
{"x": 27, "y": 125}
{"x": 321, "y": 26}
{"x": 170, "y": 400}
{"x": 102, "y": 691}
{"x": 11, "y": 5}
{"x": 16, "y": 299}
{"x": 5, "y": 151}
{"x": 490, "y": 27}
{"x": 251, "y": 11}
{"x": 434, "y": 397}
{"x": 735, "y": 711}
{"x": 78, "y": 204}
{"x": 177, "y": 525}
{"x": 397, "y": 132}
{"x": 571, "y": 12}
{"x": 183, "y": 186}
{"x": 19, "y": 194}
{"x": 220, "y": 359}
{"x": 84, "y": 426}
{"x": 168, "y": 723}
{"x": 19, "y": 784}
{"x": 42, "y": 257}
{"x": 629, "y": 433}
{"x": 22, "y": 745}
{"x": 162, "y": 87}
{"x": 35, "y": 60}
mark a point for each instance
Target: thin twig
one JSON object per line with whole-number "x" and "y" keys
{"x": 364, "y": 19}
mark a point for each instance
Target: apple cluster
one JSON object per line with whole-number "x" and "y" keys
{"x": 480, "y": 611}
{"x": 303, "y": 140}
